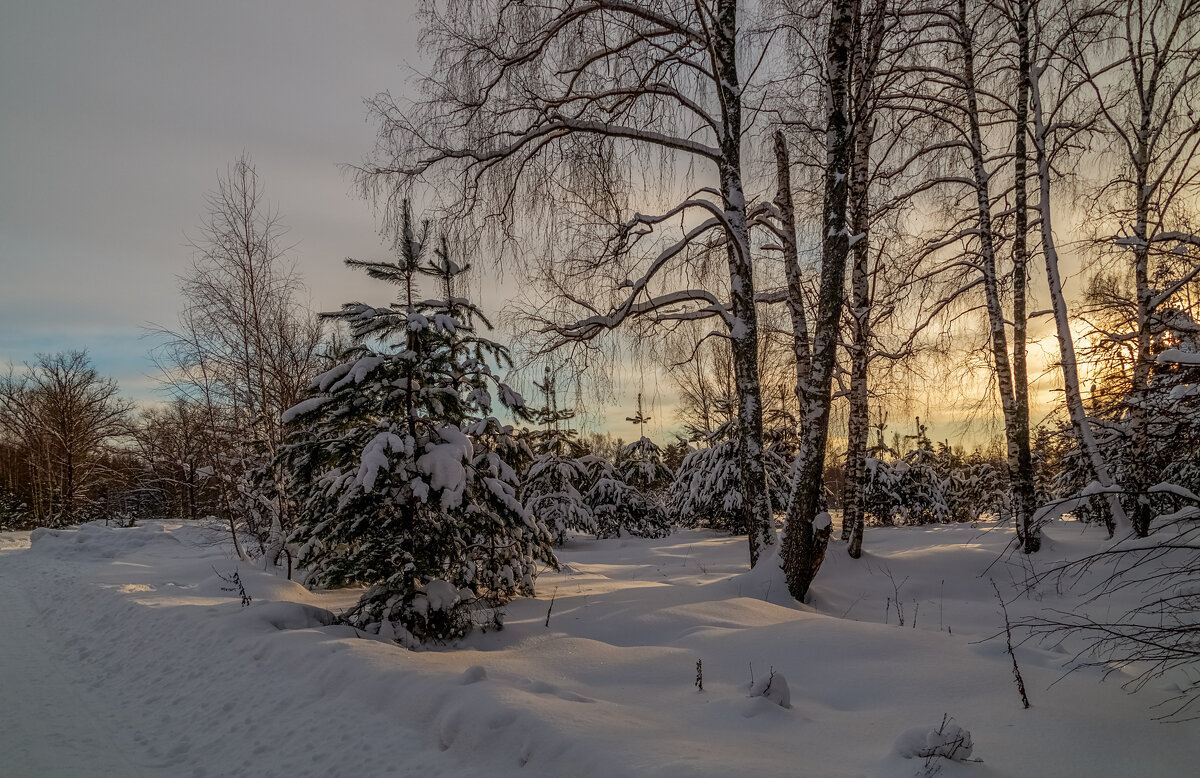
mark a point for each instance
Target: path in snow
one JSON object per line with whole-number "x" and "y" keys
{"x": 52, "y": 723}
{"x": 109, "y": 667}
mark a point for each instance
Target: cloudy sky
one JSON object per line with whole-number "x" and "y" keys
{"x": 117, "y": 117}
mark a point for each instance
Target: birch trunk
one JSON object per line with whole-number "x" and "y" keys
{"x": 805, "y": 539}
{"x": 1016, "y": 427}
{"x": 1024, "y": 500}
{"x": 860, "y": 307}
{"x": 756, "y": 506}
{"x": 791, "y": 264}
{"x": 1116, "y": 519}
{"x": 1139, "y": 444}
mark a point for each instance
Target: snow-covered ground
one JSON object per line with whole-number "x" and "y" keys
{"x": 123, "y": 653}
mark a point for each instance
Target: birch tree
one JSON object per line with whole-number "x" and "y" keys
{"x": 244, "y": 347}
{"x": 1146, "y": 95}
{"x": 889, "y": 148}
{"x": 981, "y": 128}
{"x": 558, "y": 106}
{"x": 808, "y": 527}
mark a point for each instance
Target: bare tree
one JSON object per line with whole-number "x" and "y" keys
{"x": 978, "y": 127}
{"x": 180, "y": 456}
{"x": 64, "y": 417}
{"x": 890, "y": 143}
{"x": 1146, "y": 95}
{"x": 245, "y": 347}
{"x": 560, "y": 106}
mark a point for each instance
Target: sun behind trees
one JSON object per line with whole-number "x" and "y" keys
{"x": 795, "y": 205}
{"x": 931, "y": 140}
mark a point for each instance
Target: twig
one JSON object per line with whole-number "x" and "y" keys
{"x": 552, "y": 598}
{"x": 1011, "y": 653}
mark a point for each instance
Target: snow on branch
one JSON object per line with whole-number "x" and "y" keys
{"x": 589, "y": 328}
{"x": 1178, "y": 357}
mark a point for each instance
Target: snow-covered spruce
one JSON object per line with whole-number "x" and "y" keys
{"x": 707, "y": 490}
{"x": 909, "y": 491}
{"x": 621, "y": 507}
{"x": 628, "y": 495}
{"x": 640, "y": 464}
{"x": 551, "y": 487}
{"x": 404, "y": 480}
{"x": 927, "y": 486}
{"x": 1171, "y": 428}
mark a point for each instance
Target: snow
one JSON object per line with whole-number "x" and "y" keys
{"x": 1130, "y": 241}
{"x": 773, "y": 687}
{"x": 445, "y": 464}
{"x": 1179, "y": 357}
{"x": 124, "y": 653}
{"x": 437, "y": 595}
{"x": 948, "y": 740}
{"x": 375, "y": 458}
{"x": 303, "y": 407}
{"x": 1175, "y": 489}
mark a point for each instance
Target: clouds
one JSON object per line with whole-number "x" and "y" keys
{"x": 116, "y": 118}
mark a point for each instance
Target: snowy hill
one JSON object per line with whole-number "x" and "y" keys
{"x": 128, "y": 652}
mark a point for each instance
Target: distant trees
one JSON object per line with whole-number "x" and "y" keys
{"x": 59, "y": 424}
{"x": 175, "y": 448}
{"x": 571, "y": 491}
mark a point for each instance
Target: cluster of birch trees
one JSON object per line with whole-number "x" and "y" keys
{"x": 881, "y": 169}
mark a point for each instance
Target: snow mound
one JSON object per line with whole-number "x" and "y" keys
{"x": 98, "y": 541}
{"x": 258, "y": 584}
{"x": 437, "y": 595}
{"x": 288, "y": 615}
{"x": 949, "y": 741}
{"x": 773, "y": 687}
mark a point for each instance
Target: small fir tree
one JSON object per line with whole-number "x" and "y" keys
{"x": 402, "y": 477}
{"x": 707, "y": 489}
{"x": 551, "y": 485}
{"x": 627, "y": 494}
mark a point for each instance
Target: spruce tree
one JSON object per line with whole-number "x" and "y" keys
{"x": 626, "y": 495}
{"x": 551, "y": 487}
{"x": 707, "y": 489}
{"x": 403, "y": 478}
{"x": 640, "y": 463}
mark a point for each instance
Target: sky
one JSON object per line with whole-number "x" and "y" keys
{"x": 117, "y": 117}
